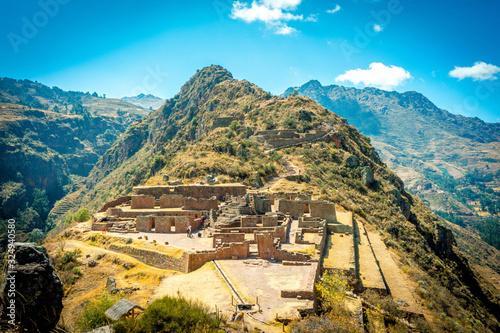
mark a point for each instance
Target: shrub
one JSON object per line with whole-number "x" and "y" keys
{"x": 325, "y": 324}
{"x": 93, "y": 313}
{"x": 171, "y": 314}
{"x": 290, "y": 123}
{"x": 70, "y": 256}
{"x": 81, "y": 216}
{"x": 128, "y": 241}
{"x": 332, "y": 289}
{"x": 275, "y": 156}
{"x": 77, "y": 271}
{"x": 235, "y": 125}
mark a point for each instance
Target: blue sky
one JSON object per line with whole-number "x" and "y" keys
{"x": 447, "y": 50}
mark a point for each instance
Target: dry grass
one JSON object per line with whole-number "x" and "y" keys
{"x": 93, "y": 280}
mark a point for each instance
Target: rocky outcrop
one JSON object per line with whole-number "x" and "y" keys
{"x": 31, "y": 291}
{"x": 367, "y": 175}
{"x": 352, "y": 162}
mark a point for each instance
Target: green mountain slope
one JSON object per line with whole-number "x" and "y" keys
{"x": 209, "y": 128}
{"x": 50, "y": 139}
{"x": 452, "y": 162}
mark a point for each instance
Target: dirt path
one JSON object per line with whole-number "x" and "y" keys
{"x": 291, "y": 170}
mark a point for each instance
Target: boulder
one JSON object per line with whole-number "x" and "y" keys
{"x": 368, "y": 178}
{"x": 352, "y": 162}
{"x": 255, "y": 180}
{"x": 38, "y": 294}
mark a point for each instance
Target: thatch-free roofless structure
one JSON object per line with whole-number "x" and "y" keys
{"x": 123, "y": 308}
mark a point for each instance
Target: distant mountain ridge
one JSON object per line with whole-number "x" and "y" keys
{"x": 418, "y": 140}
{"x": 40, "y": 96}
{"x": 145, "y": 101}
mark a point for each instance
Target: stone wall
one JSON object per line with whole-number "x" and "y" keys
{"x": 182, "y": 223}
{"x": 284, "y": 195}
{"x": 115, "y": 203}
{"x": 163, "y": 224}
{"x": 102, "y": 226}
{"x": 340, "y": 228}
{"x": 307, "y": 222}
{"x": 142, "y": 202}
{"x": 323, "y": 209}
{"x": 284, "y": 138}
{"x": 144, "y": 223}
{"x": 135, "y": 213}
{"x": 198, "y": 259}
{"x": 195, "y": 191}
{"x": 260, "y": 203}
{"x": 249, "y": 221}
{"x": 269, "y": 220}
{"x": 172, "y": 201}
{"x": 267, "y": 250}
{"x": 233, "y": 237}
{"x": 295, "y": 208}
{"x": 200, "y": 204}
{"x": 113, "y": 211}
{"x": 155, "y": 259}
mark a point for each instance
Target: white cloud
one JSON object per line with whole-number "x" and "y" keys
{"x": 282, "y": 4}
{"x": 284, "y": 29}
{"x": 479, "y": 72}
{"x": 312, "y": 18}
{"x": 378, "y": 75}
{"x": 274, "y": 13}
{"x": 377, "y": 28}
{"x": 334, "y": 10}
{"x": 258, "y": 12}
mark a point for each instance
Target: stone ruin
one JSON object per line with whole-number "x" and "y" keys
{"x": 287, "y": 138}
{"x": 240, "y": 224}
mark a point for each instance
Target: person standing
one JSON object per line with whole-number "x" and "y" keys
{"x": 189, "y": 231}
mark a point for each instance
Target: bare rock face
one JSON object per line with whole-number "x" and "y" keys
{"x": 445, "y": 240}
{"x": 31, "y": 291}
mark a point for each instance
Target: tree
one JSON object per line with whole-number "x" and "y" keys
{"x": 29, "y": 219}
{"x": 235, "y": 125}
{"x": 40, "y": 203}
{"x": 332, "y": 289}
{"x": 95, "y": 94}
{"x": 56, "y": 109}
{"x": 36, "y": 235}
{"x": 295, "y": 93}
